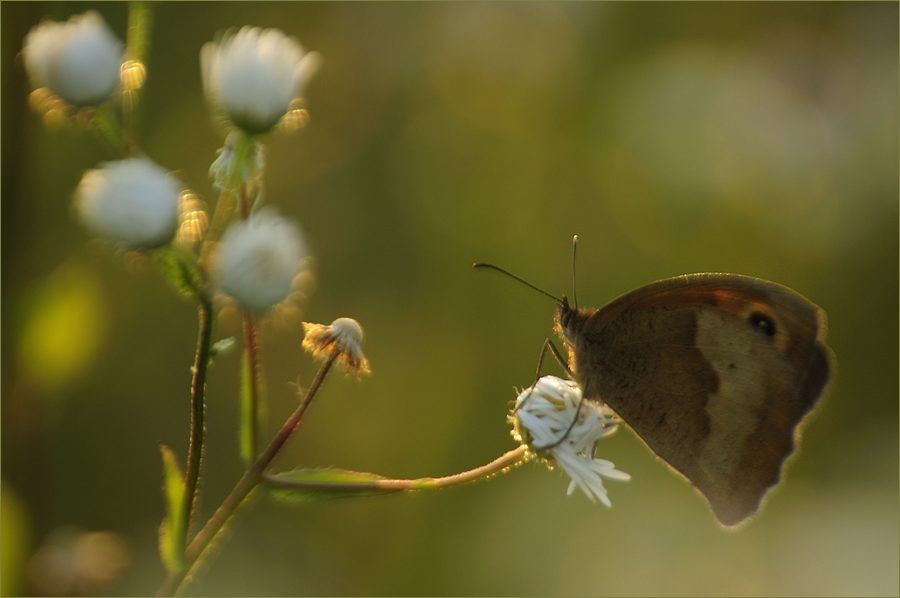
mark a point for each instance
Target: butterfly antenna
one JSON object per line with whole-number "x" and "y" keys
{"x": 514, "y": 277}
{"x": 574, "y": 286}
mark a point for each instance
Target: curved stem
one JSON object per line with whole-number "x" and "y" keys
{"x": 244, "y": 487}
{"x": 198, "y": 388}
{"x": 513, "y": 457}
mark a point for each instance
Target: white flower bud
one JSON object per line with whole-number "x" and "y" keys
{"x": 258, "y": 259}
{"x": 344, "y": 337}
{"x": 543, "y": 419}
{"x": 231, "y": 169}
{"x": 132, "y": 201}
{"x": 254, "y": 75}
{"x": 78, "y": 61}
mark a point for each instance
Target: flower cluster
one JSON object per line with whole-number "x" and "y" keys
{"x": 543, "y": 419}
{"x": 251, "y": 77}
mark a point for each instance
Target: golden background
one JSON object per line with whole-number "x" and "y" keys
{"x": 756, "y": 138}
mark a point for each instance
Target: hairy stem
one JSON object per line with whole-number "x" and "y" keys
{"x": 513, "y": 457}
{"x": 251, "y": 354}
{"x": 251, "y": 348}
{"x": 198, "y": 388}
{"x": 244, "y": 487}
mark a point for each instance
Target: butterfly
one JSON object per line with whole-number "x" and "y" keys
{"x": 715, "y": 373}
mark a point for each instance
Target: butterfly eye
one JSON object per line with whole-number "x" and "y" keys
{"x": 763, "y": 323}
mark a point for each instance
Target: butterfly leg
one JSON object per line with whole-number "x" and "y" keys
{"x": 568, "y": 430}
{"x": 548, "y": 345}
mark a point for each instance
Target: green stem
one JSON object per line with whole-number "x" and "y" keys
{"x": 244, "y": 201}
{"x": 198, "y": 388}
{"x": 251, "y": 354}
{"x": 140, "y": 19}
{"x": 244, "y": 487}
{"x": 513, "y": 457}
{"x": 251, "y": 344}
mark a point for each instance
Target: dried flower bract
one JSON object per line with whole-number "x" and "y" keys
{"x": 343, "y": 336}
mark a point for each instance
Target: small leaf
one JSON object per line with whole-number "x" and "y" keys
{"x": 325, "y": 484}
{"x": 172, "y": 531}
{"x": 222, "y": 347}
{"x": 179, "y": 270}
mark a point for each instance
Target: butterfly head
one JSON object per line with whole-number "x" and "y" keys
{"x": 570, "y": 320}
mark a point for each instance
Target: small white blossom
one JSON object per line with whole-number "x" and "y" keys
{"x": 254, "y": 75}
{"x": 258, "y": 259}
{"x": 542, "y": 418}
{"x": 78, "y": 60}
{"x": 230, "y": 169}
{"x": 344, "y": 336}
{"x": 132, "y": 201}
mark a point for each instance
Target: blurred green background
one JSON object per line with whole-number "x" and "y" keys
{"x": 757, "y": 138}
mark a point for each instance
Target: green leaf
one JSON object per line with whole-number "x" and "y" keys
{"x": 172, "y": 531}
{"x": 179, "y": 269}
{"x": 325, "y": 484}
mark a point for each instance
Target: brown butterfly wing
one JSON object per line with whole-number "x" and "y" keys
{"x": 713, "y": 371}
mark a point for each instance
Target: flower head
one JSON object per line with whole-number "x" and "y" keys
{"x": 543, "y": 417}
{"x": 343, "y": 336}
{"x": 254, "y": 75}
{"x": 78, "y": 60}
{"x": 258, "y": 259}
{"x": 132, "y": 201}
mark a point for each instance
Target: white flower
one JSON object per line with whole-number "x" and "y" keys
{"x": 78, "y": 60}
{"x": 254, "y": 75}
{"x": 258, "y": 259}
{"x": 542, "y": 418}
{"x": 133, "y": 201}
{"x": 344, "y": 336}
